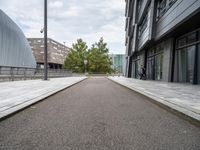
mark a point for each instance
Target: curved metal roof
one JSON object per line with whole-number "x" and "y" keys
{"x": 15, "y": 50}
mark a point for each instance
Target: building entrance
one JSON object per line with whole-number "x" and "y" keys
{"x": 155, "y": 64}
{"x": 187, "y": 58}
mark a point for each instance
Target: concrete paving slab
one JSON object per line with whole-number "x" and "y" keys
{"x": 184, "y": 98}
{"x": 20, "y": 94}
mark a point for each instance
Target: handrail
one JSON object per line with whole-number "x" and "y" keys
{"x": 20, "y": 73}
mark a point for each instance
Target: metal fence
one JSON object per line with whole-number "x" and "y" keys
{"x": 16, "y": 73}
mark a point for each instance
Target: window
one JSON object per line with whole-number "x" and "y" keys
{"x": 198, "y": 35}
{"x": 140, "y": 5}
{"x": 187, "y": 40}
{"x": 135, "y": 67}
{"x": 150, "y": 68}
{"x": 143, "y": 25}
{"x": 158, "y": 66}
{"x": 185, "y": 68}
{"x": 191, "y": 38}
{"x": 171, "y": 2}
{"x": 181, "y": 42}
{"x": 198, "y": 68}
{"x": 163, "y": 6}
{"x": 186, "y": 58}
{"x": 155, "y": 63}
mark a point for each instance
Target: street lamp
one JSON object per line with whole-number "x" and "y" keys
{"x": 85, "y": 63}
{"x": 45, "y": 41}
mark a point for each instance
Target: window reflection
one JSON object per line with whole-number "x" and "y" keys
{"x": 163, "y": 6}
{"x": 198, "y": 51}
{"x": 186, "y": 61}
{"x": 155, "y": 64}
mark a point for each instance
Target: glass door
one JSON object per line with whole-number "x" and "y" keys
{"x": 158, "y": 66}
{"x": 190, "y": 63}
{"x": 198, "y": 67}
{"x": 133, "y": 69}
{"x": 150, "y": 68}
{"x": 186, "y": 59}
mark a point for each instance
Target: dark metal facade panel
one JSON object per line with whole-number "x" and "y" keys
{"x": 14, "y": 48}
{"x": 178, "y": 13}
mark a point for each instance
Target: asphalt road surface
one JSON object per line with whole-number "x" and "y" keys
{"x": 97, "y": 114}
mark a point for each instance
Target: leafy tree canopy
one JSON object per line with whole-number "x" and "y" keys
{"x": 99, "y": 61}
{"x": 76, "y": 57}
{"x": 97, "y": 57}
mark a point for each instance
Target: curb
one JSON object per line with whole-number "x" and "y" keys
{"x": 38, "y": 99}
{"x": 188, "y": 113}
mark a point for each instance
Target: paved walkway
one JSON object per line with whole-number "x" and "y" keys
{"x": 19, "y": 94}
{"x": 184, "y": 98}
{"x": 97, "y": 114}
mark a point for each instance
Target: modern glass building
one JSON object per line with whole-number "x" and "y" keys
{"x": 118, "y": 61}
{"x": 163, "y": 36}
{"x": 14, "y": 47}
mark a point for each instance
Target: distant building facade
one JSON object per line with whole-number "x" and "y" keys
{"x": 118, "y": 61}
{"x": 163, "y": 36}
{"x": 14, "y": 48}
{"x": 57, "y": 52}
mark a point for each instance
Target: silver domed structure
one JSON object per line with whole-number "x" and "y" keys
{"x": 15, "y": 50}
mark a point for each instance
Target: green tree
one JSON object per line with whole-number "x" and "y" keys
{"x": 98, "y": 58}
{"x": 76, "y": 57}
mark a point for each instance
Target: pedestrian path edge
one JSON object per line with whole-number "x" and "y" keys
{"x": 188, "y": 111}
{"x": 37, "y": 98}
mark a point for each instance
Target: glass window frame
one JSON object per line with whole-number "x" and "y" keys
{"x": 151, "y": 60}
{"x": 196, "y": 64}
{"x": 136, "y": 63}
{"x": 163, "y": 6}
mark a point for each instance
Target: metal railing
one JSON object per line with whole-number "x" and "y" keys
{"x": 17, "y": 73}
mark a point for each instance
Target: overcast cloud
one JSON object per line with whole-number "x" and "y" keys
{"x": 72, "y": 19}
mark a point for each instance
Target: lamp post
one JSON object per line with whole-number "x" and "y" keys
{"x": 45, "y": 41}
{"x": 85, "y": 63}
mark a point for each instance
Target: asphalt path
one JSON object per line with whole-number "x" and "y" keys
{"x": 97, "y": 114}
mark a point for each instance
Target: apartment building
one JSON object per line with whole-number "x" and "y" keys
{"x": 163, "y": 36}
{"x": 57, "y": 52}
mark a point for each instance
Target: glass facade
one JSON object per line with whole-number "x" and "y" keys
{"x": 135, "y": 68}
{"x": 158, "y": 66}
{"x": 118, "y": 62}
{"x": 163, "y": 6}
{"x": 187, "y": 59}
{"x": 155, "y": 64}
{"x": 199, "y": 64}
{"x": 150, "y": 68}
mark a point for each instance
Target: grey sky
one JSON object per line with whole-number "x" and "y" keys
{"x": 72, "y": 19}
